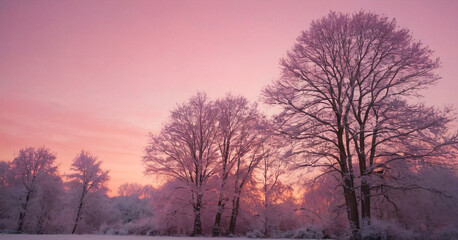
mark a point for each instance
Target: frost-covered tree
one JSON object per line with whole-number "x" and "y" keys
{"x": 323, "y": 204}
{"x": 87, "y": 177}
{"x": 238, "y": 126}
{"x": 130, "y": 190}
{"x": 29, "y": 170}
{"x": 271, "y": 168}
{"x": 5, "y": 198}
{"x": 173, "y": 212}
{"x": 43, "y": 205}
{"x": 4, "y": 168}
{"x": 252, "y": 148}
{"x": 47, "y": 204}
{"x": 134, "y": 202}
{"x": 343, "y": 96}
{"x": 8, "y": 201}
{"x": 418, "y": 195}
{"x": 186, "y": 150}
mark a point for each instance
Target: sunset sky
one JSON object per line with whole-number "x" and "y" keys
{"x": 101, "y": 75}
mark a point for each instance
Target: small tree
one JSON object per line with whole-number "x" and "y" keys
{"x": 87, "y": 177}
{"x": 134, "y": 202}
{"x": 30, "y": 168}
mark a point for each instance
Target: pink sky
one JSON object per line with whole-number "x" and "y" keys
{"x": 100, "y": 75}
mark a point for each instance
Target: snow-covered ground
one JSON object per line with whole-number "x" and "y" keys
{"x": 98, "y": 237}
{"x": 79, "y": 237}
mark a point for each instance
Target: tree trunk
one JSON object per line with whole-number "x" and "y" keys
{"x": 352, "y": 207}
{"x": 77, "y": 217}
{"x": 266, "y": 219}
{"x": 365, "y": 188}
{"x": 266, "y": 201}
{"x": 197, "y": 230}
{"x": 20, "y": 222}
{"x": 40, "y": 224}
{"x": 348, "y": 187}
{"x": 41, "y": 220}
{"x": 234, "y": 214}
{"x": 78, "y": 213}
{"x": 365, "y": 202}
{"x": 216, "y": 231}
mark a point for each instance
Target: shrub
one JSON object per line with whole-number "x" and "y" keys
{"x": 379, "y": 230}
{"x": 255, "y": 234}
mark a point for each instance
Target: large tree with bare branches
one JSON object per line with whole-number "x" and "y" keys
{"x": 186, "y": 150}
{"x": 344, "y": 95}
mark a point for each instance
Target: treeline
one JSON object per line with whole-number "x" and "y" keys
{"x": 347, "y": 153}
{"x": 36, "y": 199}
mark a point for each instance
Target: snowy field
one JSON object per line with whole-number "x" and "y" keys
{"x": 100, "y": 237}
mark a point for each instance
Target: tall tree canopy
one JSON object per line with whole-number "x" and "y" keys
{"x": 186, "y": 150}
{"x": 345, "y": 93}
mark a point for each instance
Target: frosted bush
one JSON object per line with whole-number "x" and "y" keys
{"x": 315, "y": 232}
{"x": 142, "y": 226}
{"x": 255, "y": 234}
{"x": 379, "y": 230}
{"x": 113, "y": 229}
{"x": 445, "y": 234}
{"x": 311, "y": 232}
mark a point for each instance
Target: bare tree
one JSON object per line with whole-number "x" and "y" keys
{"x": 87, "y": 177}
{"x": 130, "y": 189}
{"x": 186, "y": 150}
{"x": 247, "y": 157}
{"x": 237, "y": 123}
{"x": 341, "y": 90}
{"x": 29, "y": 169}
{"x": 272, "y": 167}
